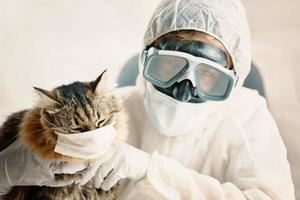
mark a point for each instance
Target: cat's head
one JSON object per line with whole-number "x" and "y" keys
{"x": 78, "y": 107}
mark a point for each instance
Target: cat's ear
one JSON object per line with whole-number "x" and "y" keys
{"x": 99, "y": 86}
{"x": 46, "y": 97}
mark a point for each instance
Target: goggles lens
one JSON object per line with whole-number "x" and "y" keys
{"x": 165, "y": 68}
{"x": 211, "y": 81}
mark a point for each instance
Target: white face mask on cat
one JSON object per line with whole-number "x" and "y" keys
{"x": 86, "y": 145}
{"x": 172, "y": 117}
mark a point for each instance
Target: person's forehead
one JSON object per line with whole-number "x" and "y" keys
{"x": 203, "y": 37}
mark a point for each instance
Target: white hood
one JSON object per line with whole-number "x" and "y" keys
{"x": 223, "y": 19}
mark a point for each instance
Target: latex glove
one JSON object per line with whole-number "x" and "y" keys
{"x": 126, "y": 162}
{"x": 21, "y": 166}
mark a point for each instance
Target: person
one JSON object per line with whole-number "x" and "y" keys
{"x": 195, "y": 132}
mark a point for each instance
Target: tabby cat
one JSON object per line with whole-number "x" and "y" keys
{"x": 73, "y": 108}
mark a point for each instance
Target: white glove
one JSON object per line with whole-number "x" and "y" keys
{"x": 21, "y": 166}
{"x": 126, "y": 162}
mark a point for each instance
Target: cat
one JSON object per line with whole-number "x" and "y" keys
{"x": 73, "y": 108}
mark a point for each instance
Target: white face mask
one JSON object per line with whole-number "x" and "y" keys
{"x": 172, "y": 117}
{"x": 86, "y": 145}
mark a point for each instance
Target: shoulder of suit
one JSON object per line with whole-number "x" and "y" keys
{"x": 248, "y": 98}
{"x": 246, "y": 103}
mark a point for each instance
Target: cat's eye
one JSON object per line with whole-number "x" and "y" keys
{"x": 78, "y": 130}
{"x": 99, "y": 123}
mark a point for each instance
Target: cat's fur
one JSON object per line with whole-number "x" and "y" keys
{"x": 68, "y": 109}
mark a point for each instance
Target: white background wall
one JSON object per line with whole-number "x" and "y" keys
{"x": 47, "y": 43}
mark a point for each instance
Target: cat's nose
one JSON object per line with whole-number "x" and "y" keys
{"x": 88, "y": 128}
{"x": 85, "y": 129}
{"x": 93, "y": 127}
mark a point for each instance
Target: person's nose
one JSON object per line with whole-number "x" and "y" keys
{"x": 183, "y": 90}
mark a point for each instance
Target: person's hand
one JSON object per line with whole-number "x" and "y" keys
{"x": 21, "y": 166}
{"x": 126, "y": 162}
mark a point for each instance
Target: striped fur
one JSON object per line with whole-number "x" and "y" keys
{"x": 72, "y": 108}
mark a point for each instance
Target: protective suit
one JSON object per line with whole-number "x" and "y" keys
{"x": 234, "y": 153}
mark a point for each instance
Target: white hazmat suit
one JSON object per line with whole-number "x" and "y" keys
{"x": 233, "y": 150}
{"x": 236, "y": 152}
